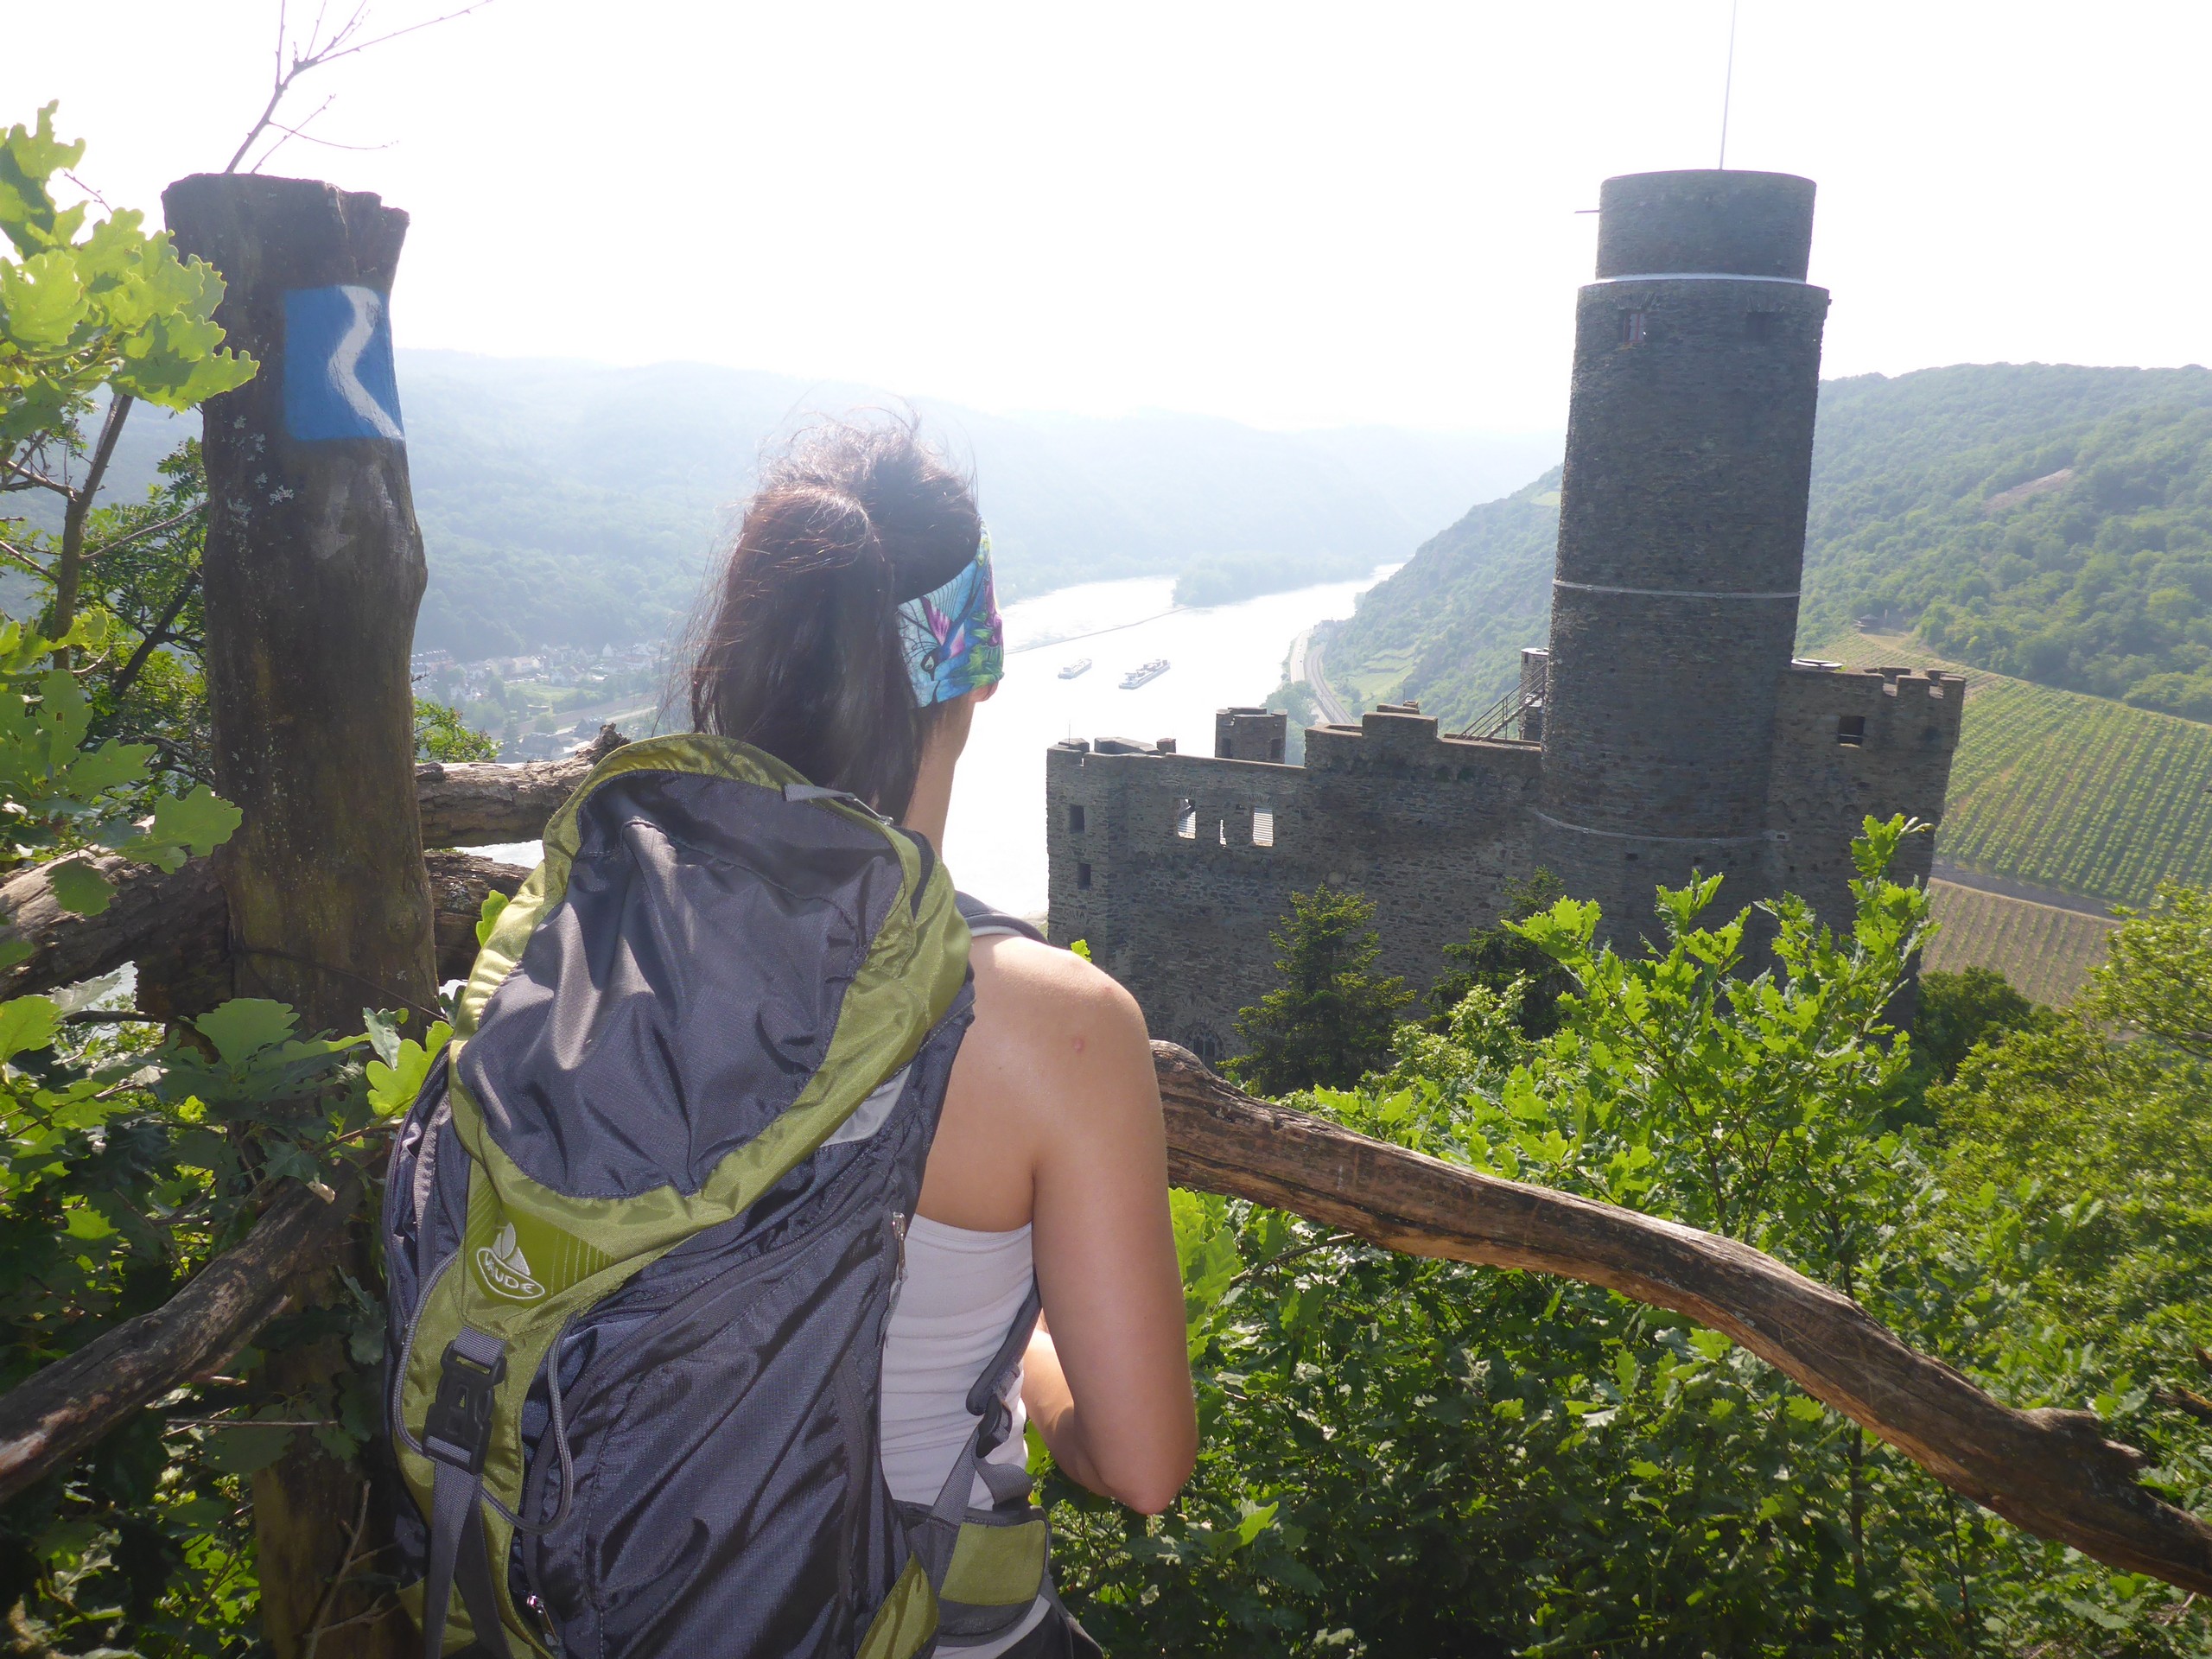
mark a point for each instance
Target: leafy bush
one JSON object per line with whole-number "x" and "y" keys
{"x": 1415, "y": 1457}
{"x": 441, "y": 734}
{"x": 1959, "y": 1011}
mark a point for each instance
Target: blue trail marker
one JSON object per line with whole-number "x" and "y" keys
{"x": 338, "y": 375}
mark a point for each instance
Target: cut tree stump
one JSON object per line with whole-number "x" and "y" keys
{"x": 312, "y": 574}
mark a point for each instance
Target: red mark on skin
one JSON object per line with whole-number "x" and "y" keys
{"x": 1078, "y": 1045}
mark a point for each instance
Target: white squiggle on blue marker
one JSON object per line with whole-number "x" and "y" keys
{"x": 345, "y": 360}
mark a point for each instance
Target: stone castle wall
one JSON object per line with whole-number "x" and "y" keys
{"x": 1175, "y": 868}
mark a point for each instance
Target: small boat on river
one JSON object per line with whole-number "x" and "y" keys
{"x": 1144, "y": 676}
{"x": 1081, "y": 665}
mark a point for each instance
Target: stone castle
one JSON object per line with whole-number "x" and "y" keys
{"x": 1667, "y": 730}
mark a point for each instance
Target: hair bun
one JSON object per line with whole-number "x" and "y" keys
{"x": 918, "y": 569}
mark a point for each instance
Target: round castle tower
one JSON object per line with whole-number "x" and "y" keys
{"x": 1682, "y": 539}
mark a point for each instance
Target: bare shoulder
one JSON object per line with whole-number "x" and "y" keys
{"x": 1049, "y": 1003}
{"x": 1024, "y": 971}
{"x": 1053, "y": 1085}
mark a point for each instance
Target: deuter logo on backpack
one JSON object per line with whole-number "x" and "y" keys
{"x": 505, "y": 1270}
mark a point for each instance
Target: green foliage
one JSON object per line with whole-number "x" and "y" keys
{"x": 2078, "y": 555}
{"x": 1958, "y": 1010}
{"x": 1447, "y": 629}
{"x": 2110, "y": 1103}
{"x": 1330, "y": 1021}
{"x": 488, "y": 917}
{"x": 2156, "y": 980}
{"x": 1407, "y": 1457}
{"x": 396, "y": 1076}
{"x": 441, "y": 734}
{"x": 63, "y": 798}
{"x": 126, "y": 1162}
{"x": 1496, "y": 958}
{"x": 81, "y": 312}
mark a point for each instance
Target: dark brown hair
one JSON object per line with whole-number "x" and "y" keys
{"x": 801, "y": 654}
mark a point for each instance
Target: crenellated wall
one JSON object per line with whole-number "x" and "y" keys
{"x": 1850, "y": 744}
{"x": 1174, "y": 868}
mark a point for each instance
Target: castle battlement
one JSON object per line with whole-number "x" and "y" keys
{"x": 1671, "y": 734}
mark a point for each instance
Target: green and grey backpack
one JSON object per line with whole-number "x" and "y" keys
{"x": 643, "y": 1230}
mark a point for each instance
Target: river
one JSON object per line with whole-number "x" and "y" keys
{"x": 1219, "y": 655}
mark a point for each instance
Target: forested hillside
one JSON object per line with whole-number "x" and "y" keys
{"x": 566, "y": 503}
{"x": 1448, "y": 628}
{"x": 2048, "y": 522}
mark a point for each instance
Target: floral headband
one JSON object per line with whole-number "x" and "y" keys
{"x": 954, "y": 640}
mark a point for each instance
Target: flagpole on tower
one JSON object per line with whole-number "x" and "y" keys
{"x": 1728, "y": 81}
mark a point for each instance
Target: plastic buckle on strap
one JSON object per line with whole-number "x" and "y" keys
{"x": 458, "y": 1430}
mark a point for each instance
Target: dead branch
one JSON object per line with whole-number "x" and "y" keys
{"x": 170, "y": 923}
{"x": 2050, "y": 1472}
{"x": 76, "y": 1402}
{"x": 344, "y": 41}
{"x": 481, "y": 803}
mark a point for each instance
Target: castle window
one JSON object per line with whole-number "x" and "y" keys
{"x": 1075, "y": 820}
{"x": 1083, "y": 877}
{"x": 1851, "y": 730}
{"x": 1759, "y": 327}
{"x": 1275, "y": 747}
{"x": 1187, "y": 819}
{"x": 1263, "y": 828}
{"x": 1632, "y": 327}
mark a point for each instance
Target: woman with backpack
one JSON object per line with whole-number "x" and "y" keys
{"x": 761, "y": 1150}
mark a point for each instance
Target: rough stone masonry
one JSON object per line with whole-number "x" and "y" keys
{"x": 1674, "y": 733}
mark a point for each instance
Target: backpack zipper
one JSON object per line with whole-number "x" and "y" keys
{"x": 898, "y": 1279}
{"x": 543, "y": 1619}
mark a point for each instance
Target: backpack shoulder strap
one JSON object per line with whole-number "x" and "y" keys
{"x": 983, "y": 921}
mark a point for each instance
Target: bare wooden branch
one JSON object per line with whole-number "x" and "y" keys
{"x": 481, "y": 803}
{"x": 316, "y": 53}
{"x": 76, "y": 1402}
{"x": 2051, "y": 1472}
{"x": 68, "y": 563}
{"x": 459, "y": 886}
{"x": 171, "y": 922}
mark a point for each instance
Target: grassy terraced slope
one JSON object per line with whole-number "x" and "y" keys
{"x": 2067, "y": 790}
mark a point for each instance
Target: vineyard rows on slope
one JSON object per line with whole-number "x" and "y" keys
{"x": 2046, "y": 952}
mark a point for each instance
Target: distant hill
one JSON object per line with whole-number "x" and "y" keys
{"x": 1448, "y": 628}
{"x": 566, "y": 503}
{"x": 2051, "y": 522}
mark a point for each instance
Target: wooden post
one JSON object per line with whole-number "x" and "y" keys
{"x": 313, "y": 571}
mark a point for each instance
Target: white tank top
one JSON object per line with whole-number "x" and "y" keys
{"x": 960, "y": 1293}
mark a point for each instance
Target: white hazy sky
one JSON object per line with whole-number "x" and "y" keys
{"x": 1291, "y": 214}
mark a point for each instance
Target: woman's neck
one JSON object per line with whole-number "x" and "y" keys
{"x": 932, "y": 797}
{"x": 933, "y": 800}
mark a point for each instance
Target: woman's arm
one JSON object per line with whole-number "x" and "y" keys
{"x": 1109, "y": 1386}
